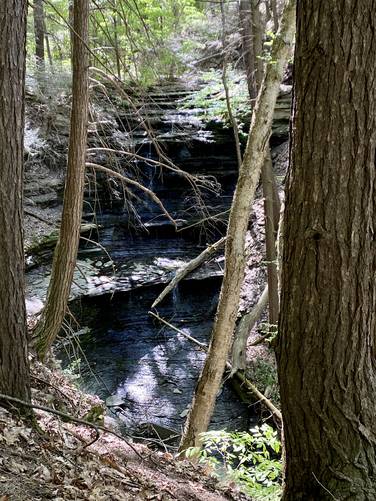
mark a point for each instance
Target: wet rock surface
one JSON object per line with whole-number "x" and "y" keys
{"x": 149, "y": 370}
{"x": 144, "y": 371}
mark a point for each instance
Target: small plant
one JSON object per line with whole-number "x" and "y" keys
{"x": 263, "y": 372}
{"x": 252, "y": 460}
{"x": 73, "y": 370}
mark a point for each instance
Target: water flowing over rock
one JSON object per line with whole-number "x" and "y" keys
{"x": 146, "y": 373}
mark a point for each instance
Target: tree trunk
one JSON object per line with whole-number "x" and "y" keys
{"x": 49, "y": 53}
{"x": 39, "y": 33}
{"x": 251, "y": 29}
{"x": 116, "y": 45}
{"x": 273, "y": 4}
{"x": 14, "y": 365}
{"x": 66, "y": 249}
{"x": 251, "y": 21}
{"x": 210, "y": 379}
{"x": 326, "y": 346}
{"x": 271, "y": 228}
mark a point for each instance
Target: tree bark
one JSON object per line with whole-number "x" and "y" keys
{"x": 251, "y": 30}
{"x": 210, "y": 379}
{"x": 326, "y": 346}
{"x": 39, "y": 33}
{"x": 66, "y": 249}
{"x": 271, "y": 228}
{"x": 252, "y": 48}
{"x": 14, "y": 365}
{"x": 244, "y": 328}
{"x": 273, "y": 4}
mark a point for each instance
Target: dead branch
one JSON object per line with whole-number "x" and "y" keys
{"x": 188, "y": 268}
{"x": 202, "y": 346}
{"x": 214, "y": 216}
{"x": 37, "y": 216}
{"x": 261, "y": 398}
{"x": 127, "y": 180}
{"x": 246, "y": 324}
{"x": 244, "y": 381}
{"x": 143, "y": 159}
{"x": 73, "y": 419}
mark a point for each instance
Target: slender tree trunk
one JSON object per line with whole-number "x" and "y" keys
{"x": 39, "y": 32}
{"x": 252, "y": 30}
{"x": 273, "y": 4}
{"x": 71, "y": 23}
{"x": 232, "y": 118}
{"x": 49, "y": 53}
{"x": 326, "y": 347}
{"x": 252, "y": 48}
{"x": 210, "y": 379}
{"x": 271, "y": 228}
{"x": 14, "y": 365}
{"x": 116, "y": 46}
{"x": 67, "y": 246}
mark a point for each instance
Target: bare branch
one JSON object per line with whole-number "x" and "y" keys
{"x": 138, "y": 185}
{"x": 186, "y": 269}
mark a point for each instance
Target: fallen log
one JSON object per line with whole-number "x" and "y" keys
{"x": 242, "y": 378}
{"x": 188, "y": 268}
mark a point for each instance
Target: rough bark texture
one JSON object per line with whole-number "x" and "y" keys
{"x": 210, "y": 379}
{"x": 39, "y": 33}
{"x": 14, "y": 366}
{"x": 273, "y": 4}
{"x": 326, "y": 347}
{"x": 66, "y": 250}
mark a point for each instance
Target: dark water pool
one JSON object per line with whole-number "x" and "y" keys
{"x": 155, "y": 369}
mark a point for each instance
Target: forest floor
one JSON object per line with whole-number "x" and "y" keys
{"x": 62, "y": 460}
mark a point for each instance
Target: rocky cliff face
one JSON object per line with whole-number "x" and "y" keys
{"x": 142, "y": 244}
{"x": 130, "y": 248}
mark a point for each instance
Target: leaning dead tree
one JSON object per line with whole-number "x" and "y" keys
{"x": 244, "y": 327}
{"x": 211, "y": 376}
{"x": 67, "y": 246}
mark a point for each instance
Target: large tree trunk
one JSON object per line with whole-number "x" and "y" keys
{"x": 326, "y": 347}
{"x": 14, "y": 366}
{"x": 210, "y": 379}
{"x": 66, "y": 250}
{"x": 39, "y": 32}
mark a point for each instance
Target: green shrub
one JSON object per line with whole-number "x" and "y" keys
{"x": 252, "y": 460}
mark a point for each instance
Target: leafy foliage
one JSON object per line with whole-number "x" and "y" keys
{"x": 264, "y": 374}
{"x": 140, "y": 41}
{"x": 211, "y": 99}
{"x": 249, "y": 459}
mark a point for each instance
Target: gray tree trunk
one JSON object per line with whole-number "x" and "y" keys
{"x": 39, "y": 33}
{"x": 210, "y": 379}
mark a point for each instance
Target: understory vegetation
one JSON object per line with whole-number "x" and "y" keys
{"x": 250, "y": 459}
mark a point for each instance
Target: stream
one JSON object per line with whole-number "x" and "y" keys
{"x": 145, "y": 371}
